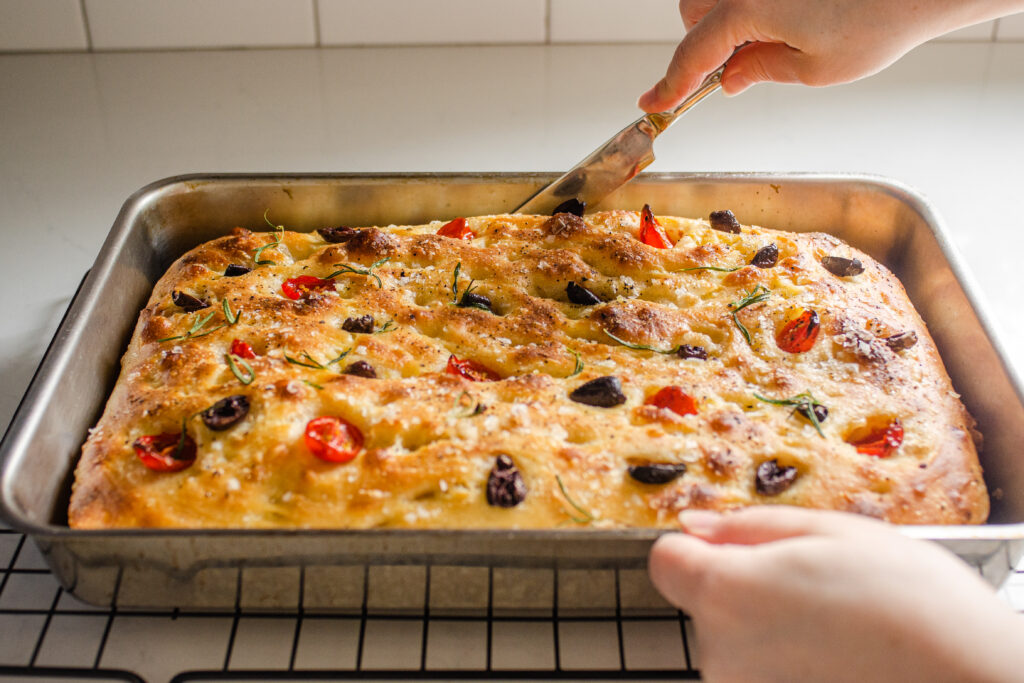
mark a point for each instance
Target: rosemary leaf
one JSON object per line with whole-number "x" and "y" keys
{"x": 355, "y": 270}
{"x": 804, "y": 403}
{"x": 243, "y": 378}
{"x": 232, "y": 318}
{"x": 338, "y": 359}
{"x": 386, "y": 327}
{"x": 754, "y": 296}
{"x": 312, "y": 384}
{"x": 638, "y": 347}
{"x": 455, "y": 283}
{"x": 579, "y": 362}
{"x": 583, "y": 511}
{"x": 714, "y": 268}
{"x": 295, "y": 361}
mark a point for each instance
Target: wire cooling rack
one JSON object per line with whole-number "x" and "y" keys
{"x": 395, "y": 623}
{"x": 403, "y": 623}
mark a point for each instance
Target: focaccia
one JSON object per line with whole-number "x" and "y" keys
{"x": 610, "y": 370}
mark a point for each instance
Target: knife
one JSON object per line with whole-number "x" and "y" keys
{"x": 617, "y": 161}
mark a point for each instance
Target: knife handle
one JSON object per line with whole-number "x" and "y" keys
{"x": 713, "y": 82}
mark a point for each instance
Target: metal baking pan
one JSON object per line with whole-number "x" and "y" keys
{"x": 203, "y": 568}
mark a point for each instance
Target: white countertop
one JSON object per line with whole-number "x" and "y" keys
{"x": 80, "y": 132}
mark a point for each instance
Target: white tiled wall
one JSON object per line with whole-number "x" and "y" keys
{"x": 45, "y": 25}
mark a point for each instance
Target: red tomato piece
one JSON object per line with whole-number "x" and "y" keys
{"x": 471, "y": 370}
{"x": 303, "y": 285}
{"x": 333, "y": 439}
{"x": 651, "y": 232}
{"x": 242, "y": 349}
{"x": 166, "y": 452}
{"x": 800, "y": 333}
{"x": 881, "y": 443}
{"x": 456, "y": 229}
{"x": 675, "y": 399}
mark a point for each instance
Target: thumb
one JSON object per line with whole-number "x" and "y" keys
{"x": 761, "y": 62}
{"x": 767, "y": 523}
{"x": 679, "y": 566}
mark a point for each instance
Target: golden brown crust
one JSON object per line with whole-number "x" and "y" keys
{"x": 431, "y": 438}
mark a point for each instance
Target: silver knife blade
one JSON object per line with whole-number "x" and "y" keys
{"x": 617, "y": 161}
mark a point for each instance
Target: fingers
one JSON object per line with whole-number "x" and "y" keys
{"x": 761, "y": 62}
{"x": 679, "y": 566}
{"x": 702, "y": 50}
{"x": 692, "y": 11}
{"x": 769, "y": 523}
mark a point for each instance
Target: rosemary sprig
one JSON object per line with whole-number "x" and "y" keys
{"x": 356, "y": 270}
{"x": 469, "y": 288}
{"x": 386, "y": 327}
{"x": 313, "y": 362}
{"x": 232, "y": 318}
{"x": 279, "y": 233}
{"x": 455, "y": 283}
{"x": 197, "y": 324}
{"x": 587, "y": 516}
{"x": 639, "y": 347}
{"x": 714, "y": 268}
{"x": 754, "y": 296}
{"x": 234, "y": 361}
{"x": 805, "y": 403}
{"x": 579, "y": 362}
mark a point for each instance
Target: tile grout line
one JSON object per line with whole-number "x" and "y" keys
{"x": 301, "y": 614}
{"x": 426, "y": 622}
{"x": 10, "y": 564}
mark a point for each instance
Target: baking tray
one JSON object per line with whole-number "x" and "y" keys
{"x": 204, "y": 568}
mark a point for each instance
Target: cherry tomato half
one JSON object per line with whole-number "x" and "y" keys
{"x": 471, "y": 370}
{"x": 166, "y": 452}
{"x": 456, "y": 229}
{"x": 881, "y": 443}
{"x": 651, "y": 232}
{"x": 675, "y": 399}
{"x": 242, "y": 349}
{"x": 298, "y": 287}
{"x": 800, "y": 333}
{"x": 333, "y": 439}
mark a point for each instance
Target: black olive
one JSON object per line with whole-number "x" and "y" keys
{"x": 820, "y": 411}
{"x": 772, "y": 480}
{"x": 573, "y": 206}
{"x": 361, "y": 369}
{"x": 766, "y": 257}
{"x": 225, "y": 412}
{"x": 474, "y": 300}
{"x": 188, "y": 302}
{"x": 235, "y": 270}
{"x": 338, "y": 235}
{"x": 578, "y": 294}
{"x": 661, "y": 473}
{"x": 725, "y": 221}
{"x": 361, "y": 325}
{"x": 603, "y": 392}
{"x": 901, "y": 341}
{"x": 843, "y": 267}
{"x": 505, "y": 485}
{"x": 687, "y": 351}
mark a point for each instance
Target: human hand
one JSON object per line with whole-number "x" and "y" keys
{"x": 816, "y": 42}
{"x": 788, "y": 594}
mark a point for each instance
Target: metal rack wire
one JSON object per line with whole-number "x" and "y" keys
{"x": 580, "y": 632}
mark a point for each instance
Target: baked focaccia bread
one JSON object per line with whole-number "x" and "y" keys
{"x": 610, "y": 370}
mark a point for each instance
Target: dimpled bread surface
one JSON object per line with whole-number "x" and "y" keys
{"x": 432, "y": 438}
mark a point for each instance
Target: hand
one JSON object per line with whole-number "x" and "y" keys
{"x": 814, "y": 42}
{"x": 787, "y": 594}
